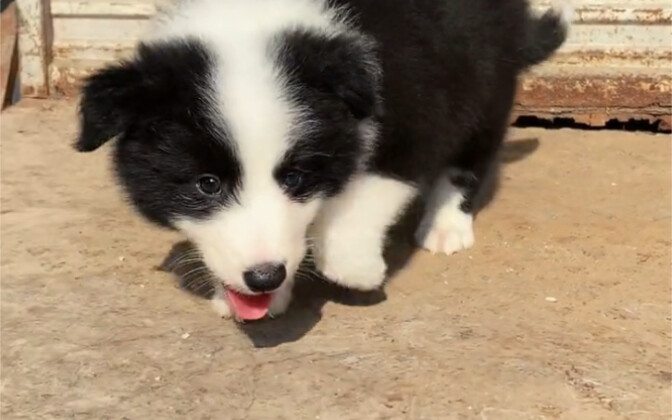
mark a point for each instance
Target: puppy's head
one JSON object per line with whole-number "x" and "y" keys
{"x": 237, "y": 145}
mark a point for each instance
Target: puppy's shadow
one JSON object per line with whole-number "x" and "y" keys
{"x": 516, "y": 150}
{"x": 312, "y": 291}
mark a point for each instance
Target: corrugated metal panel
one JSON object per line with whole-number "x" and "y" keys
{"x": 616, "y": 63}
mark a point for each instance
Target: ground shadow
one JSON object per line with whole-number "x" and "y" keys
{"x": 312, "y": 290}
{"x": 516, "y": 150}
{"x": 511, "y": 152}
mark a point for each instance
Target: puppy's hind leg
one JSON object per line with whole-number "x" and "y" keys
{"x": 458, "y": 193}
{"x": 447, "y": 226}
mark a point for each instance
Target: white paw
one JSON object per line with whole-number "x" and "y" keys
{"x": 445, "y": 228}
{"x": 350, "y": 230}
{"x": 281, "y": 300}
{"x": 447, "y": 232}
{"x": 221, "y": 307}
{"x": 352, "y": 264}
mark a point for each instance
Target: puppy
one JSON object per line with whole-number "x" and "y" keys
{"x": 257, "y": 127}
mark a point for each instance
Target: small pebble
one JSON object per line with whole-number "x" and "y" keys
{"x": 122, "y": 258}
{"x": 551, "y": 299}
{"x": 350, "y": 360}
{"x": 185, "y": 336}
{"x": 157, "y": 379}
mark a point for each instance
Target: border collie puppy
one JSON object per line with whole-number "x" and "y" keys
{"x": 258, "y": 127}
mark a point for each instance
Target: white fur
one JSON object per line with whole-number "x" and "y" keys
{"x": 350, "y": 230}
{"x": 265, "y": 227}
{"x": 219, "y": 303}
{"x": 564, "y": 9}
{"x": 445, "y": 228}
{"x": 222, "y": 21}
{"x": 281, "y": 298}
{"x": 249, "y": 96}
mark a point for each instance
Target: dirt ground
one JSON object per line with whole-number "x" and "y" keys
{"x": 560, "y": 311}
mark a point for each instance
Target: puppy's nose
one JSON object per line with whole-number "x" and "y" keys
{"x": 265, "y": 277}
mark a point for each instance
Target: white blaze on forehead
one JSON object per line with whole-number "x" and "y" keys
{"x": 259, "y": 120}
{"x": 222, "y": 22}
{"x": 258, "y": 116}
{"x": 247, "y": 91}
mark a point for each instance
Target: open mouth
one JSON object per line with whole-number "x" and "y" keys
{"x": 248, "y": 307}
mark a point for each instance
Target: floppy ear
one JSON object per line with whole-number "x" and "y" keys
{"x": 345, "y": 65}
{"x": 107, "y": 104}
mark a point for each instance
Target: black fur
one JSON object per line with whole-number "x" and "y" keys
{"x": 438, "y": 75}
{"x": 337, "y": 80}
{"x": 450, "y": 71}
{"x": 543, "y": 36}
{"x": 168, "y": 136}
{"x": 344, "y": 66}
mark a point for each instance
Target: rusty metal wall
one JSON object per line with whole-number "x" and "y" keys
{"x": 616, "y": 64}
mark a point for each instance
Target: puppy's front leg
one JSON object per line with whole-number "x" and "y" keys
{"x": 281, "y": 298}
{"x": 350, "y": 231}
{"x": 218, "y": 301}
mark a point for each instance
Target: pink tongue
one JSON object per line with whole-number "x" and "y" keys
{"x": 249, "y": 307}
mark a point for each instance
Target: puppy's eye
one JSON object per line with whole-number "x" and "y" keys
{"x": 292, "y": 180}
{"x": 209, "y": 185}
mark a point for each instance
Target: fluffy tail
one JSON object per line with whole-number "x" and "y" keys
{"x": 546, "y": 33}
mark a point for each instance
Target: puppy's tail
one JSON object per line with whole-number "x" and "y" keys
{"x": 546, "y": 33}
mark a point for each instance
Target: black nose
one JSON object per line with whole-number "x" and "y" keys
{"x": 265, "y": 277}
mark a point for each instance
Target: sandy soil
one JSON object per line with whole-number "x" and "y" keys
{"x": 560, "y": 311}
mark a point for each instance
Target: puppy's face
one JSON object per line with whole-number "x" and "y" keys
{"x": 236, "y": 149}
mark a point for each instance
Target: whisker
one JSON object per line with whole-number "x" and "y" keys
{"x": 194, "y": 272}
{"x": 187, "y": 257}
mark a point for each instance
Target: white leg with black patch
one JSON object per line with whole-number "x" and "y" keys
{"x": 445, "y": 227}
{"x": 350, "y": 232}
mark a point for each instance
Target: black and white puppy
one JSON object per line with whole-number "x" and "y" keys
{"x": 257, "y": 127}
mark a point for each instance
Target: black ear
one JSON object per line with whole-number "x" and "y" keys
{"x": 107, "y": 104}
{"x": 345, "y": 65}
